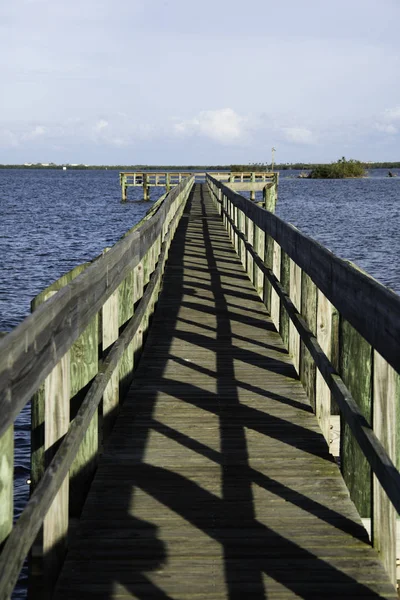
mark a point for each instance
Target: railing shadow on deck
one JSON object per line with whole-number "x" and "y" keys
{"x": 343, "y": 330}
{"x": 218, "y": 517}
{"x": 75, "y": 356}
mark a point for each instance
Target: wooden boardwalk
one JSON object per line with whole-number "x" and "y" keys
{"x": 217, "y": 482}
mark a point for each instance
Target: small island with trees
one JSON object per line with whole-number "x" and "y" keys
{"x": 342, "y": 169}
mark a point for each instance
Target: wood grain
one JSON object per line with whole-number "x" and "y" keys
{"x": 355, "y": 369}
{"x": 7, "y": 483}
{"x": 386, "y": 396}
{"x": 28, "y": 525}
{"x": 324, "y": 338}
{"x": 192, "y": 498}
{"x": 29, "y": 352}
{"x": 370, "y": 446}
{"x": 340, "y": 281}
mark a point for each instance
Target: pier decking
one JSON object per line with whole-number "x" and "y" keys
{"x": 181, "y": 388}
{"x": 216, "y": 481}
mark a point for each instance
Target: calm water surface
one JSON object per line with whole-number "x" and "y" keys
{"x": 51, "y": 221}
{"x": 358, "y": 219}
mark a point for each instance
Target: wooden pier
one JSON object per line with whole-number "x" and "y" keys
{"x": 182, "y": 389}
{"x": 240, "y": 181}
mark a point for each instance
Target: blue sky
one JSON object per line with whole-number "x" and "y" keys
{"x": 175, "y": 82}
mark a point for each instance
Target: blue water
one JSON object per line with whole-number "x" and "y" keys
{"x": 358, "y": 219}
{"x": 51, "y": 221}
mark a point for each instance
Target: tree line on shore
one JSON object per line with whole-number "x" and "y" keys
{"x": 337, "y": 170}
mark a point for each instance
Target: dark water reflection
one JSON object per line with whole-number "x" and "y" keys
{"x": 51, "y": 221}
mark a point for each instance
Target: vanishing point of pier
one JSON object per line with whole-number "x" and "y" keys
{"x": 183, "y": 389}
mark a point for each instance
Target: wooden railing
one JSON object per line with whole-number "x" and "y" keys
{"x": 342, "y": 329}
{"x": 146, "y": 179}
{"x": 75, "y": 355}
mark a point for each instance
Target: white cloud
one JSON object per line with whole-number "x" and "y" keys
{"x": 389, "y": 121}
{"x": 36, "y": 132}
{"x": 119, "y": 142}
{"x": 222, "y": 125}
{"x": 386, "y": 128}
{"x": 101, "y": 125}
{"x": 8, "y": 139}
{"x": 298, "y": 135}
{"x": 392, "y": 114}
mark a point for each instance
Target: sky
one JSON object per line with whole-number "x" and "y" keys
{"x": 210, "y": 82}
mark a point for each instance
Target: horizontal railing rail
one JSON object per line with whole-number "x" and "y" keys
{"x": 343, "y": 330}
{"x": 74, "y": 355}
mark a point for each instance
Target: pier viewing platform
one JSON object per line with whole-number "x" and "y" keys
{"x": 183, "y": 389}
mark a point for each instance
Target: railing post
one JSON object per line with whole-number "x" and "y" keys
{"x": 252, "y": 192}
{"x": 84, "y": 367}
{"x": 285, "y": 281}
{"x": 270, "y": 197}
{"x": 259, "y": 247}
{"x": 324, "y": 337}
{"x": 295, "y": 296}
{"x": 124, "y": 188}
{"x": 7, "y": 482}
{"x": 57, "y": 393}
{"x": 356, "y": 371}
{"x": 146, "y": 188}
{"x": 308, "y": 370}
{"x": 125, "y": 312}
{"x": 109, "y": 320}
{"x": 386, "y": 395}
{"x": 250, "y": 239}
{"x": 275, "y": 302}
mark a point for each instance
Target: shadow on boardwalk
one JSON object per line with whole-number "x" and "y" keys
{"x": 216, "y": 482}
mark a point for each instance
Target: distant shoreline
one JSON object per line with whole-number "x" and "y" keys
{"x": 139, "y": 168}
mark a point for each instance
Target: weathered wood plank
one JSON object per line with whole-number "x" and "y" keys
{"x": 285, "y": 281}
{"x": 356, "y": 372}
{"x": 214, "y": 395}
{"x": 29, "y": 352}
{"x": 369, "y": 443}
{"x": 250, "y": 239}
{"x": 259, "y": 246}
{"x": 30, "y": 522}
{"x": 275, "y": 300}
{"x": 308, "y": 370}
{"x": 324, "y": 338}
{"x": 386, "y": 396}
{"x": 340, "y": 281}
{"x": 83, "y": 369}
{"x": 6, "y": 483}
{"x": 268, "y": 261}
{"x": 57, "y": 394}
{"x": 246, "y": 186}
{"x": 295, "y": 296}
{"x": 110, "y": 330}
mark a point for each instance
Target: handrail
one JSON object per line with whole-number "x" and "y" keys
{"x": 48, "y": 504}
{"x": 64, "y": 316}
{"x": 340, "y": 281}
{"x": 323, "y": 296}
